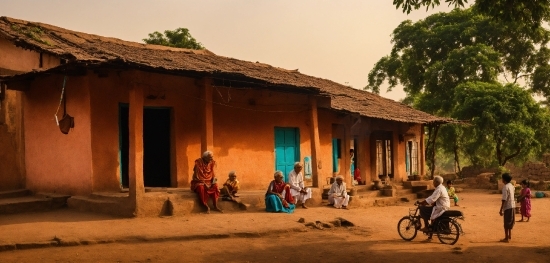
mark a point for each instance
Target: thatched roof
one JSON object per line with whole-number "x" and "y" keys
{"x": 92, "y": 50}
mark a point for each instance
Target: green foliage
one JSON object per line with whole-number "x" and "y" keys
{"x": 180, "y": 38}
{"x": 528, "y": 12}
{"x": 452, "y": 64}
{"x": 33, "y": 32}
{"x": 409, "y": 5}
{"x": 432, "y": 56}
{"x": 503, "y": 117}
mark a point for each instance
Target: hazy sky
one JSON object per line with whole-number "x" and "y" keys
{"x": 337, "y": 40}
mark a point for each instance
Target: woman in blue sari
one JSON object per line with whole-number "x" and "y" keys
{"x": 278, "y": 197}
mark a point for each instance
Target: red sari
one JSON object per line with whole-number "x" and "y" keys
{"x": 202, "y": 182}
{"x": 279, "y": 188}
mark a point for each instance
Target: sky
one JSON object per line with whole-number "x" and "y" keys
{"x": 336, "y": 40}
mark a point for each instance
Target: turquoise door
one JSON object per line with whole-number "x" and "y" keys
{"x": 335, "y": 154}
{"x": 287, "y": 149}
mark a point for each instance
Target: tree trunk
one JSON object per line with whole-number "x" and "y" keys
{"x": 430, "y": 147}
{"x": 457, "y": 160}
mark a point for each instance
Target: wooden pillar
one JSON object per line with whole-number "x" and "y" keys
{"x": 422, "y": 152}
{"x": 346, "y": 158}
{"x": 135, "y": 121}
{"x": 373, "y": 157}
{"x": 207, "y": 135}
{"x": 398, "y": 159}
{"x": 315, "y": 143}
{"x": 363, "y": 160}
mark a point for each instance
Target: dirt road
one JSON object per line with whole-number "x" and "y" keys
{"x": 374, "y": 239}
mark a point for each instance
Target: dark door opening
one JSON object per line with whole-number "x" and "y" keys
{"x": 156, "y": 146}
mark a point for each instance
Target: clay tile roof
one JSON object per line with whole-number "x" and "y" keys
{"x": 78, "y": 47}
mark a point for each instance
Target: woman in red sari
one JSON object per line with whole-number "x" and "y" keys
{"x": 278, "y": 197}
{"x": 204, "y": 181}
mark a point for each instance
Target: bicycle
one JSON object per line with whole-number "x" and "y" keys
{"x": 446, "y": 227}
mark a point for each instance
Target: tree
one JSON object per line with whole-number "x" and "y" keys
{"x": 180, "y": 38}
{"x": 504, "y": 118}
{"x": 434, "y": 56}
{"x": 529, "y": 12}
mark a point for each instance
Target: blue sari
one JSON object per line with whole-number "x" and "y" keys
{"x": 273, "y": 203}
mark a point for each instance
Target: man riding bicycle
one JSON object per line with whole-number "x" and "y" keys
{"x": 435, "y": 205}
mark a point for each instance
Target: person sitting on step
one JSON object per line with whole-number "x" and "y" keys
{"x": 338, "y": 195}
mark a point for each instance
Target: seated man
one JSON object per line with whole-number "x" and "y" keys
{"x": 337, "y": 195}
{"x": 278, "y": 197}
{"x": 440, "y": 200}
{"x": 230, "y": 187}
{"x": 296, "y": 181}
{"x": 204, "y": 180}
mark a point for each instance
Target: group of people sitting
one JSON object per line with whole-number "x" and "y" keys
{"x": 281, "y": 196}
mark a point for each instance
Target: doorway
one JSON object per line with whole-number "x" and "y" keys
{"x": 287, "y": 149}
{"x": 156, "y": 146}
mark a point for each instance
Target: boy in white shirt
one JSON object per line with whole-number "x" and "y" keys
{"x": 507, "y": 207}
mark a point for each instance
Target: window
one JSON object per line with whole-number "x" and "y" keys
{"x": 411, "y": 157}
{"x": 384, "y": 158}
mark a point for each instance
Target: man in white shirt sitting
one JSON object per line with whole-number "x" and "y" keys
{"x": 440, "y": 201}
{"x": 338, "y": 195}
{"x": 297, "y": 188}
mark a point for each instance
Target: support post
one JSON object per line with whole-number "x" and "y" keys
{"x": 135, "y": 121}
{"x": 364, "y": 157}
{"x": 422, "y": 151}
{"x": 315, "y": 143}
{"x": 346, "y": 158}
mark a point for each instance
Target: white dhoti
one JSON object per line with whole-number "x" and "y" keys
{"x": 301, "y": 197}
{"x": 338, "y": 201}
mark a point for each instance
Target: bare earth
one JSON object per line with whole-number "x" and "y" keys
{"x": 255, "y": 237}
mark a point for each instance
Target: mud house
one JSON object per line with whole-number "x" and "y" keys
{"x": 144, "y": 113}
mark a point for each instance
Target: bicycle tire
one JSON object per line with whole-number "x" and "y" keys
{"x": 406, "y": 229}
{"x": 448, "y": 231}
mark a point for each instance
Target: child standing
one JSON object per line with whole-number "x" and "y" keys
{"x": 452, "y": 192}
{"x": 525, "y": 199}
{"x": 507, "y": 207}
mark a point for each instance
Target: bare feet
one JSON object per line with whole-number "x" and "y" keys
{"x": 345, "y": 207}
{"x": 218, "y": 209}
{"x": 505, "y": 240}
{"x": 304, "y": 206}
{"x": 520, "y": 220}
{"x": 207, "y": 210}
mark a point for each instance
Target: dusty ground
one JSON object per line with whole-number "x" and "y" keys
{"x": 374, "y": 239}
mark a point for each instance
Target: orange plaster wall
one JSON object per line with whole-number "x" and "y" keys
{"x": 56, "y": 162}
{"x": 244, "y": 138}
{"x": 18, "y": 59}
{"x": 180, "y": 94}
{"x": 326, "y": 120}
{"x": 12, "y": 172}
{"x": 244, "y": 122}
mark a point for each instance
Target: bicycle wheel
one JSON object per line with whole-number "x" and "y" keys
{"x": 448, "y": 231}
{"x": 406, "y": 229}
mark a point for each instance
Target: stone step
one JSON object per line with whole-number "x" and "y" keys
{"x": 90, "y": 204}
{"x": 15, "y": 193}
{"x": 171, "y": 203}
{"x": 27, "y": 204}
{"x": 399, "y": 192}
{"x": 359, "y": 201}
{"x": 58, "y": 200}
{"x": 113, "y": 196}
